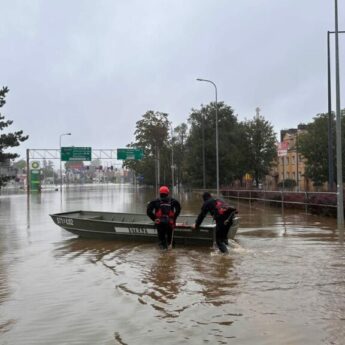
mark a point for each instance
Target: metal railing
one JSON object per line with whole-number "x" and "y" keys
{"x": 307, "y": 199}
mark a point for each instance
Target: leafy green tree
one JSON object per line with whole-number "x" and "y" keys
{"x": 179, "y": 147}
{"x": 259, "y": 141}
{"x": 152, "y": 136}
{"x": 47, "y": 170}
{"x": 7, "y": 140}
{"x": 313, "y": 145}
{"x": 202, "y": 138}
{"x": 20, "y": 165}
{"x": 287, "y": 184}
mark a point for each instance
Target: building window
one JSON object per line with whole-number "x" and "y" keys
{"x": 287, "y": 160}
{"x": 293, "y": 159}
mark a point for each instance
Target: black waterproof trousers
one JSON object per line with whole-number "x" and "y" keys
{"x": 222, "y": 234}
{"x": 222, "y": 229}
{"x": 164, "y": 232}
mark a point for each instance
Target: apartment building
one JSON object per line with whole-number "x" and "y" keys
{"x": 291, "y": 165}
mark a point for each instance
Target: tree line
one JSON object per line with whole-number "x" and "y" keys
{"x": 313, "y": 145}
{"x": 7, "y": 140}
{"x": 245, "y": 147}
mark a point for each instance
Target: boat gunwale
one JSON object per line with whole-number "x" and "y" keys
{"x": 69, "y": 215}
{"x": 124, "y": 223}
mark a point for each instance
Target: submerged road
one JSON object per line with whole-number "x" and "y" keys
{"x": 282, "y": 283}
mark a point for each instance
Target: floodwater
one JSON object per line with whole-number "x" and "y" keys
{"x": 282, "y": 283}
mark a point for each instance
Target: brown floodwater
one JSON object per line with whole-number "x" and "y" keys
{"x": 283, "y": 281}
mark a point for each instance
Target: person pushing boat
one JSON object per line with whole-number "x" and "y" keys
{"x": 223, "y": 215}
{"x": 164, "y": 212}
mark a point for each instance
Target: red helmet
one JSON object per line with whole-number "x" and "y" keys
{"x": 164, "y": 190}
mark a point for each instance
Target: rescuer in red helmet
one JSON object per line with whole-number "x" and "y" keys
{"x": 164, "y": 212}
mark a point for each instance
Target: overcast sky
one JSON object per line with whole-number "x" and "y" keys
{"x": 94, "y": 68}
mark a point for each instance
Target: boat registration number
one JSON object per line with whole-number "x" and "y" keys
{"x": 135, "y": 230}
{"x": 64, "y": 221}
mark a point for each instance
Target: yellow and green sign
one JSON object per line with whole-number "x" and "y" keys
{"x": 35, "y": 177}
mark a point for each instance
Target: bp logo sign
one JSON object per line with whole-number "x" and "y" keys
{"x": 35, "y": 165}
{"x": 35, "y": 180}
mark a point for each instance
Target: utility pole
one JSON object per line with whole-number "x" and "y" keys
{"x": 340, "y": 192}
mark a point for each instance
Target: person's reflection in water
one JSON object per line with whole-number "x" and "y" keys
{"x": 164, "y": 282}
{"x": 217, "y": 279}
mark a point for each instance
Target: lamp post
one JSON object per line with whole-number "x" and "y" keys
{"x": 203, "y": 153}
{"x": 340, "y": 192}
{"x": 297, "y": 172}
{"x": 172, "y": 159}
{"x": 330, "y": 118}
{"x": 217, "y": 155}
{"x": 61, "y": 135}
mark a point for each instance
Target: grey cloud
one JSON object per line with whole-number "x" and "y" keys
{"x": 93, "y": 68}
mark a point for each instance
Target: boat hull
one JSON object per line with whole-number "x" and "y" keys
{"x": 138, "y": 227}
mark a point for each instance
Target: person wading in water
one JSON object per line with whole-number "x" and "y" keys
{"x": 164, "y": 212}
{"x": 223, "y": 215}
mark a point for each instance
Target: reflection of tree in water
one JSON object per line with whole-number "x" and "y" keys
{"x": 8, "y": 242}
{"x": 4, "y": 288}
{"x": 5, "y": 323}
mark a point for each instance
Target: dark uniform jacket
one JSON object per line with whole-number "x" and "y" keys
{"x": 154, "y": 205}
{"x": 210, "y": 206}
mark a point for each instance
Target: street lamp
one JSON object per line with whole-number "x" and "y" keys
{"x": 172, "y": 159}
{"x": 217, "y": 155}
{"x": 330, "y": 118}
{"x": 61, "y": 135}
{"x": 340, "y": 192}
{"x": 203, "y": 152}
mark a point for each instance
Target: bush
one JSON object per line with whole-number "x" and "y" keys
{"x": 287, "y": 183}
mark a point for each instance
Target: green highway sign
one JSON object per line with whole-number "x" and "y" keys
{"x": 75, "y": 154}
{"x": 132, "y": 153}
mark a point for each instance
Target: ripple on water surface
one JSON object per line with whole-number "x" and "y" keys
{"x": 282, "y": 283}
